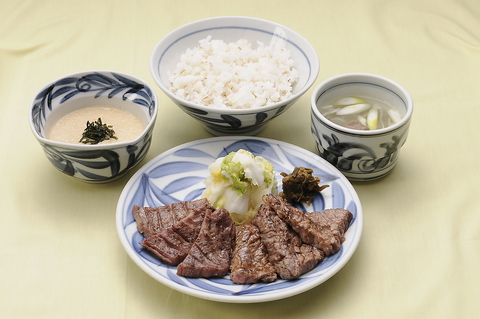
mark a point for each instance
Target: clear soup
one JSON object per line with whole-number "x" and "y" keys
{"x": 360, "y": 112}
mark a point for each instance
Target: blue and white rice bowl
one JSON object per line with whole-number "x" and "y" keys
{"x": 361, "y": 155}
{"x": 97, "y": 163}
{"x": 226, "y": 121}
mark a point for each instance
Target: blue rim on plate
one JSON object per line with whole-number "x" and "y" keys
{"x": 178, "y": 174}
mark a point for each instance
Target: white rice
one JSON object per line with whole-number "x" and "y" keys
{"x": 234, "y": 75}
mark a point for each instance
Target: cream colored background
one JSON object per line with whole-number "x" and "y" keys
{"x": 419, "y": 256}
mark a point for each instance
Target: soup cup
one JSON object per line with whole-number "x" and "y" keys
{"x": 361, "y": 155}
{"x": 94, "y": 163}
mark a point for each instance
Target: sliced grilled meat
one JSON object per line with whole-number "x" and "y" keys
{"x": 289, "y": 256}
{"x": 321, "y": 232}
{"x": 172, "y": 244}
{"x": 338, "y": 218}
{"x": 211, "y": 252}
{"x": 152, "y": 220}
{"x": 250, "y": 261}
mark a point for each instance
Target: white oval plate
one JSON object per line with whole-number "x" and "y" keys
{"x": 178, "y": 174}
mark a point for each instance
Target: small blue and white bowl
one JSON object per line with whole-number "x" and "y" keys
{"x": 360, "y": 155}
{"x": 98, "y": 163}
{"x": 225, "y": 121}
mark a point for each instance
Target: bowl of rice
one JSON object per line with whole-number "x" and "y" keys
{"x": 234, "y": 74}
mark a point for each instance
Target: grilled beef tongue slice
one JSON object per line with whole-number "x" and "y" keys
{"x": 316, "y": 229}
{"x": 211, "y": 252}
{"x": 250, "y": 261}
{"x": 338, "y": 218}
{"x": 289, "y": 256}
{"x": 172, "y": 244}
{"x": 152, "y": 220}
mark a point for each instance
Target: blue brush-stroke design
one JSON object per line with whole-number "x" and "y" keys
{"x": 175, "y": 168}
{"x": 182, "y": 183}
{"x": 338, "y": 196}
{"x": 302, "y": 162}
{"x": 146, "y": 255}
{"x": 318, "y": 203}
{"x": 195, "y": 194}
{"x": 222, "y": 281}
{"x": 203, "y": 284}
{"x": 192, "y": 152}
{"x": 159, "y": 197}
{"x": 352, "y": 207}
{"x": 171, "y": 274}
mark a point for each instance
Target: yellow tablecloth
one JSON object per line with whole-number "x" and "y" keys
{"x": 419, "y": 256}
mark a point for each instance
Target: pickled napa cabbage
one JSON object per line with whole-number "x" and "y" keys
{"x": 237, "y": 183}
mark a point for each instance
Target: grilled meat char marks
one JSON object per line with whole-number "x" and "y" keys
{"x": 172, "y": 244}
{"x": 211, "y": 253}
{"x": 281, "y": 241}
{"x": 289, "y": 256}
{"x": 250, "y": 261}
{"x": 317, "y": 229}
{"x": 152, "y": 220}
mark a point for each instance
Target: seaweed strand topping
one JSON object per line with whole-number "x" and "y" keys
{"x": 97, "y": 132}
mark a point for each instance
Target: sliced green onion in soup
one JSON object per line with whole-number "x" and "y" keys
{"x": 329, "y": 111}
{"x": 349, "y": 100}
{"x": 372, "y": 118}
{"x": 394, "y": 115}
{"x": 354, "y": 109}
{"x": 362, "y": 120}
